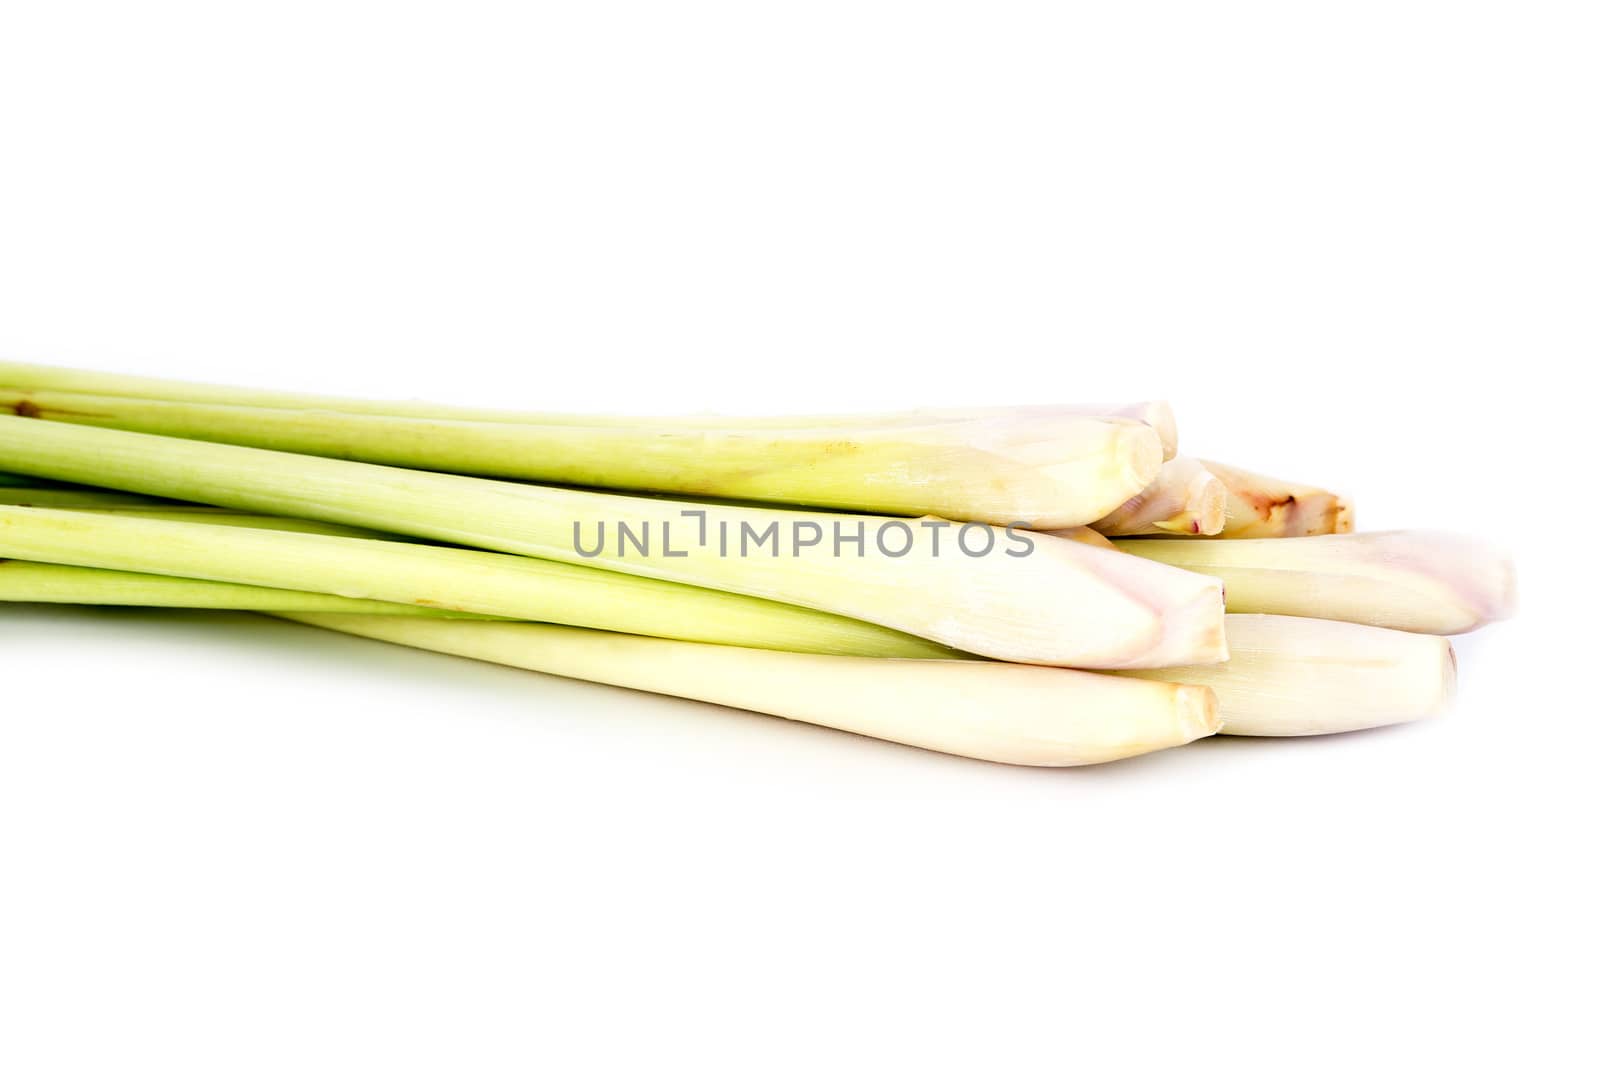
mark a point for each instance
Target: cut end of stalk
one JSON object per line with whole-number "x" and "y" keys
{"x": 1183, "y": 498}
{"x": 1197, "y": 637}
{"x": 1140, "y": 453}
{"x": 1199, "y": 712}
{"x": 1207, "y": 509}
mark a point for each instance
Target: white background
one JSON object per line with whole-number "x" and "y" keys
{"x": 1355, "y": 244}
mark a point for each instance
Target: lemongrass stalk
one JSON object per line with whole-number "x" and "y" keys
{"x": 458, "y": 580}
{"x": 1019, "y": 596}
{"x": 32, "y": 377}
{"x": 49, "y": 497}
{"x": 1046, "y": 470}
{"x": 223, "y": 518}
{"x": 128, "y": 504}
{"x": 1009, "y": 713}
{"x": 1184, "y": 498}
{"x": 1287, "y": 676}
{"x": 1260, "y": 506}
{"x": 26, "y": 581}
{"x": 8, "y": 480}
{"x": 1423, "y": 581}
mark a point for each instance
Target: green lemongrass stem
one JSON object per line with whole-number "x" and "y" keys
{"x": 1045, "y": 470}
{"x": 1184, "y": 498}
{"x": 1009, "y": 713}
{"x": 1288, "y": 676}
{"x": 49, "y": 497}
{"x": 1260, "y": 506}
{"x": 458, "y": 580}
{"x": 133, "y": 505}
{"x": 223, "y": 518}
{"x": 1422, "y": 581}
{"x": 34, "y": 377}
{"x": 1023, "y": 597}
{"x": 27, "y": 581}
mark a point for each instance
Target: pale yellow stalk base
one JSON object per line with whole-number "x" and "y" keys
{"x": 1009, "y": 713}
{"x": 1056, "y": 603}
{"x": 1287, "y": 676}
{"x": 1184, "y": 498}
{"x": 1260, "y": 506}
{"x": 1422, "y": 581}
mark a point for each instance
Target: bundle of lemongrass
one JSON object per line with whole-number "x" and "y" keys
{"x": 1040, "y": 585}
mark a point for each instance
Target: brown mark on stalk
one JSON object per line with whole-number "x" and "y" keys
{"x": 428, "y": 602}
{"x": 28, "y": 409}
{"x": 1267, "y": 506}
